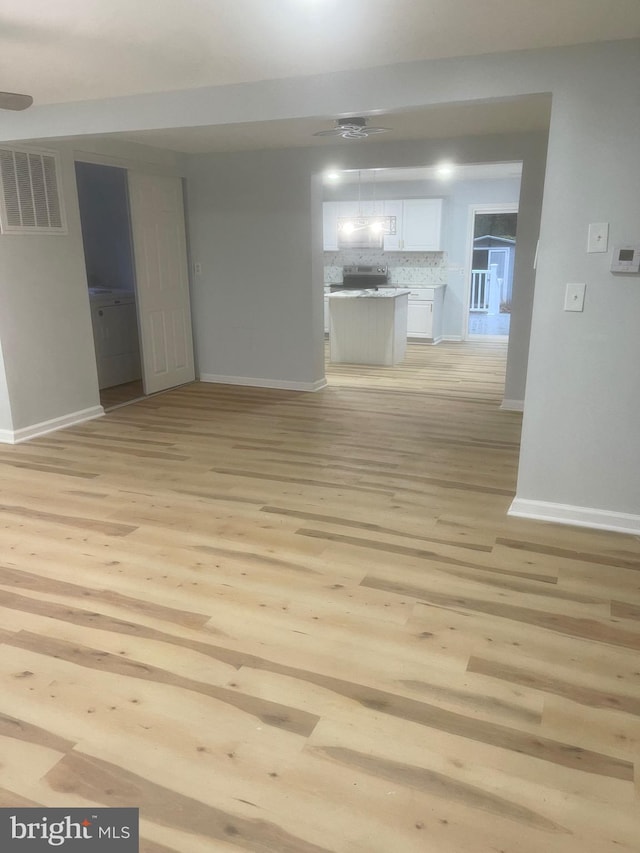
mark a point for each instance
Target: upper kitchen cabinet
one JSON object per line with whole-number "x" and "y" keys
{"x": 418, "y": 222}
{"x": 393, "y": 242}
{"x": 421, "y": 225}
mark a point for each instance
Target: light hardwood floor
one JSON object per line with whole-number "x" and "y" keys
{"x": 302, "y": 623}
{"x": 119, "y": 395}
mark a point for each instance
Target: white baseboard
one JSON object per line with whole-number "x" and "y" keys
{"x": 512, "y": 405}
{"x": 581, "y": 516}
{"x": 451, "y": 337}
{"x": 264, "y": 383}
{"x": 44, "y": 427}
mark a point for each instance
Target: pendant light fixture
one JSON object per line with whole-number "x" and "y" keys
{"x": 374, "y": 224}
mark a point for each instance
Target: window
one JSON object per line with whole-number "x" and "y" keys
{"x": 30, "y": 201}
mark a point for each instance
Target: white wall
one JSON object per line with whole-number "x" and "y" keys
{"x": 45, "y": 325}
{"x": 462, "y": 196}
{"x": 581, "y": 432}
{"x": 6, "y": 422}
{"x": 106, "y": 230}
{"x": 45, "y": 321}
{"x": 256, "y": 315}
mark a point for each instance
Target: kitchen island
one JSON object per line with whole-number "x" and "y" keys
{"x": 368, "y": 326}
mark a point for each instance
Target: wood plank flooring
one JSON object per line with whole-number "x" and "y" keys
{"x": 303, "y": 623}
{"x": 118, "y": 395}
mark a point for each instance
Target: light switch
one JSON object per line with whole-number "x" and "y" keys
{"x": 598, "y": 237}
{"x": 574, "y": 297}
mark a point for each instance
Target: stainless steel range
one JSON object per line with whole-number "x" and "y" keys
{"x": 361, "y": 277}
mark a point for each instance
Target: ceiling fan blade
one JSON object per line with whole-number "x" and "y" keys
{"x": 352, "y": 128}
{"x": 14, "y": 101}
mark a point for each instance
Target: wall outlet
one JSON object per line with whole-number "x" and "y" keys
{"x": 197, "y": 269}
{"x": 574, "y": 297}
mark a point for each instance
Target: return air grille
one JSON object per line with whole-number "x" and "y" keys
{"x": 30, "y": 202}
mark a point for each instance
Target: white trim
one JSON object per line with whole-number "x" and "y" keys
{"x": 35, "y": 430}
{"x": 452, "y": 337}
{"x": 264, "y": 383}
{"x": 512, "y": 405}
{"x": 128, "y": 161}
{"x": 580, "y": 516}
{"x": 418, "y": 338}
{"x": 488, "y": 339}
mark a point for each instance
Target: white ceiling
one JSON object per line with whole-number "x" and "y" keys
{"x": 95, "y": 50}
{"x": 528, "y": 113}
{"x": 70, "y": 50}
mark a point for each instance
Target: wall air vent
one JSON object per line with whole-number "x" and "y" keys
{"x": 30, "y": 201}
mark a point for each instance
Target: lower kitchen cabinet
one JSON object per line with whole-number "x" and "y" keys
{"x": 424, "y": 313}
{"x": 420, "y": 319}
{"x": 424, "y": 319}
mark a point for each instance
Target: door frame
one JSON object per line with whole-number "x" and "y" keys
{"x": 498, "y": 207}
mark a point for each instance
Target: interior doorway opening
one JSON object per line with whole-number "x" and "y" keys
{"x": 108, "y": 250}
{"x": 134, "y": 238}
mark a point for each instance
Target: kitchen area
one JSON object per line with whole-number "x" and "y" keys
{"x": 385, "y": 273}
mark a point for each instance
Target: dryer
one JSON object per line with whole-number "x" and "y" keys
{"x": 115, "y": 334}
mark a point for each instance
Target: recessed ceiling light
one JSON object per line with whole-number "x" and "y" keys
{"x": 332, "y": 177}
{"x": 445, "y": 170}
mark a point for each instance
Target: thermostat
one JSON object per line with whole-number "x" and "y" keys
{"x": 626, "y": 259}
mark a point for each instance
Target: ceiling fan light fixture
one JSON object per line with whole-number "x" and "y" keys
{"x": 14, "y": 101}
{"x": 352, "y": 128}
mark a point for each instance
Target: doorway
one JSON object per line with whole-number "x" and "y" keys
{"x": 134, "y": 238}
{"x": 490, "y": 271}
{"x": 108, "y": 252}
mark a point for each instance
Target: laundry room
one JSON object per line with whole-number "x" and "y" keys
{"x": 108, "y": 251}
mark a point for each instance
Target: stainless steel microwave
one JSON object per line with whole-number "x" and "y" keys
{"x": 356, "y": 233}
{"x": 364, "y": 232}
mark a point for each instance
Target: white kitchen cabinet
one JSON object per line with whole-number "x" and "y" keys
{"x": 421, "y": 225}
{"x": 392, "y": 242}
{"x": 418, "y": 222}
{"x": 418, "y": 225}
{"x": 420, "y": 319}
{"x": 326, "y": 314}
{"x": 330, "y": 226}
{"x": 424, "y": 317}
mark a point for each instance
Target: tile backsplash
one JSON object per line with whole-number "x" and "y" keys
{"x": 404, "y": 267}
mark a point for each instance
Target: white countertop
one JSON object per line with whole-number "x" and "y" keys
{"x": 421, "y": 286}
{"x": 381, "y": 293}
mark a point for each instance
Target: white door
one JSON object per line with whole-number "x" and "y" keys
{"x": 164, "y": 314}
{"x": 499, "y": 258}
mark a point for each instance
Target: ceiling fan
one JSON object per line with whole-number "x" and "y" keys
{"x": 352, "y": 128}
{"x": 13, "y": 101}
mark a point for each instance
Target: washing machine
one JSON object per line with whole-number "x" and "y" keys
{"x": 115, "y": 334}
